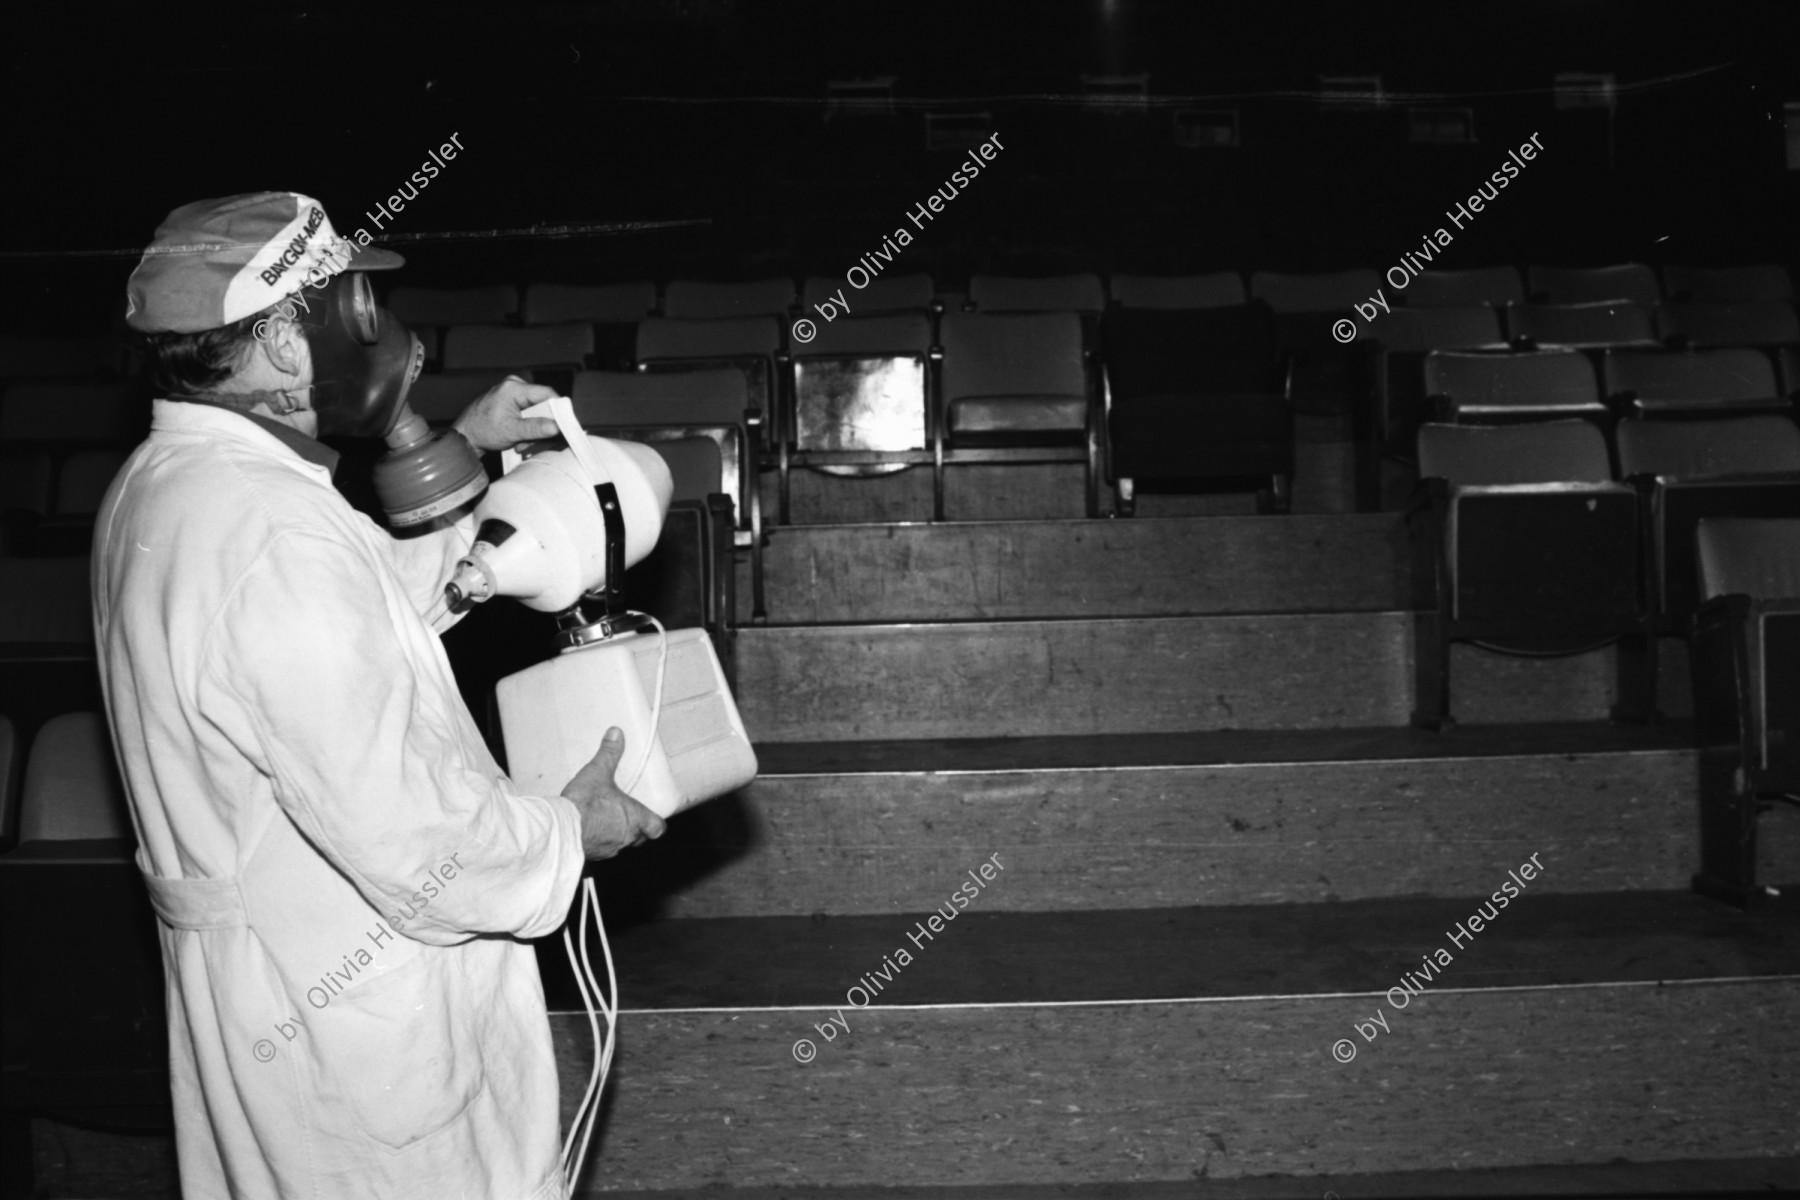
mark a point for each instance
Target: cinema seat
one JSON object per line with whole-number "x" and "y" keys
{"x": 1193, "y": 396}
{"x": 1220, "y": 289}
{"x": 752, "y": 346}
{"x": 27, "y": 488}
{"x": 861, "y": 400}
{"x": 80, "y": 433}
{"x": 1080, "y": 293}
{"x": 613, "y": 309}
{"x": 694, "y": 300}
{"x": 1495, "y": 286}
{"x": 1402, "y": 340}
{"x": 1670, "y": 383}
{"x": 1522, "y": 543}
{"x": 1595, "y": 325}
{"x": 46, "y": 640}
{"x": 1702, "y": 325}
{"x": 1728, "y": 284}
{"x": 1587, "y": 285}
{"x": 1326, "y": 378}
{"x": 1687, "y": 471}
{"x": 1746, "y": 693}
{"x": 1014, "y": 388}
{"x": 885, "y": 294}
{"x": 441, "y": 398}
{"x": 428, "y": 311}
{"x": 72, "y": 788}
{"x": 705, "y": 428}
{"x": 1471, "y": 388}
{"x": 543, "y": 348}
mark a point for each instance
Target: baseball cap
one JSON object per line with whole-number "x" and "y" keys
{"x": 213, "y": 262}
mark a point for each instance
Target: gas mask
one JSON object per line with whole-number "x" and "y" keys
{"x": 364, "y": 362}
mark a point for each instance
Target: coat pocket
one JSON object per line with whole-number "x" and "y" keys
{"x": 400, "y": 1054}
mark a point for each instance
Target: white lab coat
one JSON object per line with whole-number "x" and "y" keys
{"x": 301, "y": 769}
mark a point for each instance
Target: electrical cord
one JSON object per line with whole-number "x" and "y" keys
{"x": 592, "y": 999}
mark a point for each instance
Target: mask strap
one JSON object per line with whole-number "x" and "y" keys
{"x": 280, "y": 403}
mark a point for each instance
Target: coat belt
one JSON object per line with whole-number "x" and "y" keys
{"x": 197, "y": 903}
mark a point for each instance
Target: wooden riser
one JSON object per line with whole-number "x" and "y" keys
{"x": 1268, "y": 833}
{"x": 1028, "y": 678}
{"x": 960, "y": 1096}
{"x": 1144, "y": 567}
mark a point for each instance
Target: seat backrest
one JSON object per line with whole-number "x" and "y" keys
{"x": 631, "y": 399}
{"x": 1220, "y": 289}
{"x": 1325, "y": 291}
{"x": 1082, "y": 293}
{"x": 454, "y": 306}
{"x": 441, "y": 398}
{"x": 1743, "y": 323}
{"x": 1601, "y": 323}
{"x": 1493, "y": 455}
{"x": 690, "y": 299}
{"x": 469, "y": 347}
{"x": 742, "y": 337}
{"x": 1478, "y": 285}
{"x": 696, "y": 466}
{"x": 25, "y": 480}
{"x": 883, "y": 294}
{"x": 1585, "y": 285}
{"x": 1768, "y": 281}
{"x": 1024, "y": 354}
{"x": 83, "y": 480}
{"x": 1788, "y": 364}
{"x": 1548, "y": 377}
{"x": 85, "y": 412}
{"x": 1755, "y": 557}
{"x": 1727, "y": 374}
{"x": 872, "y": 337}
{"x": 72, "y": 788}
{"x": 1191, "y": 351}
{"x": 1460, "y": 327}
{"x": 1690, "y": 449}
{"x": 603, "y": 304}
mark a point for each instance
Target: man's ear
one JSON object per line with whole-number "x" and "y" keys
{"x": 285, "y": 347}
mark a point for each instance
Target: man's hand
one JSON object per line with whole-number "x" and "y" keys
{"x": 610, "y": 820}
{"x": 493, "y": 422}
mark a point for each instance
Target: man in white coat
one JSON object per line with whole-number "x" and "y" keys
{"x": 341, "y": 870}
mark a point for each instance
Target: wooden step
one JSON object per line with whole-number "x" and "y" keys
{"x": 1131, "y": 1048}
{"x": 1002, "y": 570}
{"x": 1153, "y": 821}
{"x": 1144, "y": 675}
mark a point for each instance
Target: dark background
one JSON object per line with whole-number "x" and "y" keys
{"x": 714, "y": 112}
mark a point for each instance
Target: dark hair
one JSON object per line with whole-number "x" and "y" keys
{"x": 185, "y": 364}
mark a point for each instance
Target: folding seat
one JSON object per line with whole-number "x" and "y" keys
{"x": 441, "y": 398}
{"x": 1403, "y": 338}
{"x": 428, "y": 311}
{"x": 1082, "y": 293}
{"x": 1602, "y": 323}
{"x": 884, "y": 294}
{"x": 1746, "y": 693}
{"x": 1465, "y": 388}
{"x": 752, "y": 346}
{"x": 1014, "y": 388}
{"x": 1496, "y": 286}
{"x": 613, "y": 309}
{"x": 691, "y": 300}
{"x": 1725, "y": 285}
{"x": 1195, "y": 394}
{"x": 1325, "y": 378}
{"x": 861, "y": 401}
{"x": 46, "y": 640}
{"x": 1687, "y": 471}
{"x": 706, "y": 429}
{"x": 547, "y": 349}
{"x": 1522, "y": 543}
{"x": 1587, "y": 285}
{"x": 1693, "y": 382}
{"x": 89, "y": 1036}
{"x": 1702, "y": 325}
{"x": 81, "y": 434}
{"x": 1220, "y": 289}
